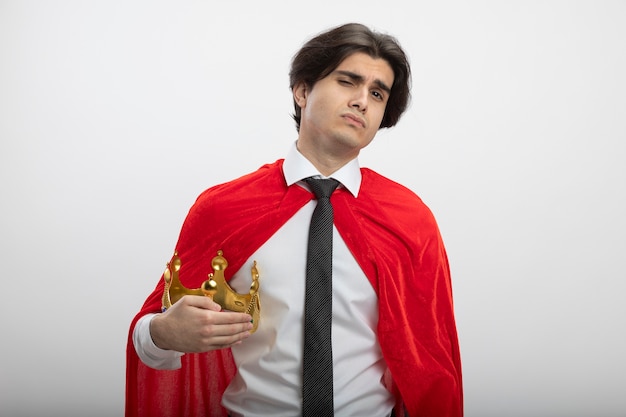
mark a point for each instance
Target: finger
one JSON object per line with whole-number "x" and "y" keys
{"x": 201, "y": 301}
{"x": 222, "y": 326}
{"x": 232, "y": 317}
{"x": 219, "y": 336}
{"x": 221, "y": 342}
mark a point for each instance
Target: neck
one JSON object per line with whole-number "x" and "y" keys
{"x": 325, "y": 162}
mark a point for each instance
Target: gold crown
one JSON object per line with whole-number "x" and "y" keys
{"x": 215, "y": 287}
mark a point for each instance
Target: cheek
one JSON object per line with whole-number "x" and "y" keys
{"x": 377, "y": 118}
{"x": 316, "y": 110}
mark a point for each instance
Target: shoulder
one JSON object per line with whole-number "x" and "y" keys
{"x": 266, "y": 180}
{"x": 379, "y": 188}
{"x": 234, "y": 203}
{"x": 392, "y": 200}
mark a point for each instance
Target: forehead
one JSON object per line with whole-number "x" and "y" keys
{"x": 371, "y": 69}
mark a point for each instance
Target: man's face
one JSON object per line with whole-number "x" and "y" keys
{"x": 343, "y": 111}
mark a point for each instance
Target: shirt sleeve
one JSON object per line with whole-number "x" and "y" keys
{"x": 149, "y": 353}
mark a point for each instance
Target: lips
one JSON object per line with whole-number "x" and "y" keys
{"x": 355, "y": 119}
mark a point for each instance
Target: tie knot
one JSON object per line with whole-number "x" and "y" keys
{"x": 322, "y": 188}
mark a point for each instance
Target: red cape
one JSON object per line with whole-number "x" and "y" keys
{"x": 395, "y": 240}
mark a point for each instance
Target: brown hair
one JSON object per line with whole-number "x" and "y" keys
{"x": 322, "y": 55}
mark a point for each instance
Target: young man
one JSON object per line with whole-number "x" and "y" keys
{"x": 394, "y": 343}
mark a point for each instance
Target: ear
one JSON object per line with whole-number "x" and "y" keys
{"x": 300, "y": 93}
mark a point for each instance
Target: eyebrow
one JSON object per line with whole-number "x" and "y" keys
{"x": 359, "y": 78}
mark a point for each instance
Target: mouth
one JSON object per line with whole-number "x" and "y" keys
{"x": 354, "y": 119}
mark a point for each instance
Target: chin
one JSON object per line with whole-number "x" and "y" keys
{"x": 351, "y": 141}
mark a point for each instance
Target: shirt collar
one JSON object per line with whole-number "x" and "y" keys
{"x": 296, "y": 168}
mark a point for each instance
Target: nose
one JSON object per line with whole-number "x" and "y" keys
{"x": 359, "y": 100}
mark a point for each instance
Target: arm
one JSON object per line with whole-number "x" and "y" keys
{"x": 149, "y": 353}
{"x": 193, "y": 324}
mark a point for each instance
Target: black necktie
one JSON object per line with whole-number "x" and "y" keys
{"x": 317, "y": 383}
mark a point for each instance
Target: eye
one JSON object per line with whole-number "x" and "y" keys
{"x": 345, "y": 82}
{"x": 378, "y": 95}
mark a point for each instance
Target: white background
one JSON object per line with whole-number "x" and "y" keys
{"x": 115, "y": 115}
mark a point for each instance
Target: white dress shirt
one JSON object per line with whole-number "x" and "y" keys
{"x": 268, "y": 381}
